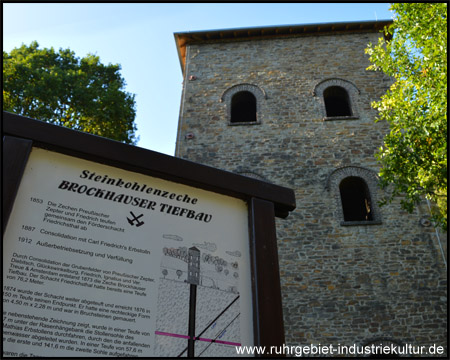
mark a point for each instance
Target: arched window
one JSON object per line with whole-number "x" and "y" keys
{"x": 243, "y": 107}
{"x": 244, "y": 104}
{"x": 337, "y": 101}
{"x": 355, "y": 198}
{"x": 355, "y": 191}
{"x": 252, "y": 175}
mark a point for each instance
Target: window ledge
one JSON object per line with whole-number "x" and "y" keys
{"x": 331, "y": 118}
{"x": 244, "y": 123}
{"x": 357, "y": 223}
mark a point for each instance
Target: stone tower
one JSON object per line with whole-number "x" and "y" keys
{"x": 291, "y": 105}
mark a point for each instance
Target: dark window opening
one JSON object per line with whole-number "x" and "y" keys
{"x": 243, "y": 107}
{"x": 355, "y": 199}
{"x": 337, "y": 102}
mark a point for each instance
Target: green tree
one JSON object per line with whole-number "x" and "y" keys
{"x": 414, "y": 155}
{"x": 60, "y": 88}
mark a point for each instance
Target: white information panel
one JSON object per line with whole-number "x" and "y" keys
{"x": 100, "y": 261}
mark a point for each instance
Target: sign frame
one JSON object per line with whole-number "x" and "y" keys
{"x": 265, "y": 201}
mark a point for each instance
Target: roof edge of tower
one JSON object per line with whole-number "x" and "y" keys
{"x": 182, "y": 39}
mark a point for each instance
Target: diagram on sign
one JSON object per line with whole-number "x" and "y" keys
{"x": 198, "y": 300}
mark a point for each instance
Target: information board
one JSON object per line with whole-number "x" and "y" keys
{"x": 101, "y": 261}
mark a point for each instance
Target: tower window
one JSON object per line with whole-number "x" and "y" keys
{"x": 355, "y": 192}
{"x": 337, "y": 101}
{"x": 243, "y": 107}
{"x": 355, "y": 197}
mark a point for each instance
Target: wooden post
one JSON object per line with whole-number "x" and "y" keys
{"x": 15, "y": 156}
{"x": 267, "y": 305}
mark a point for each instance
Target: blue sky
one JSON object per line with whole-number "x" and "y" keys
{"x": 139, "y": 37}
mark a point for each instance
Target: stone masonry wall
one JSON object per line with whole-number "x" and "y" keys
{"x": 340, "y": 284}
